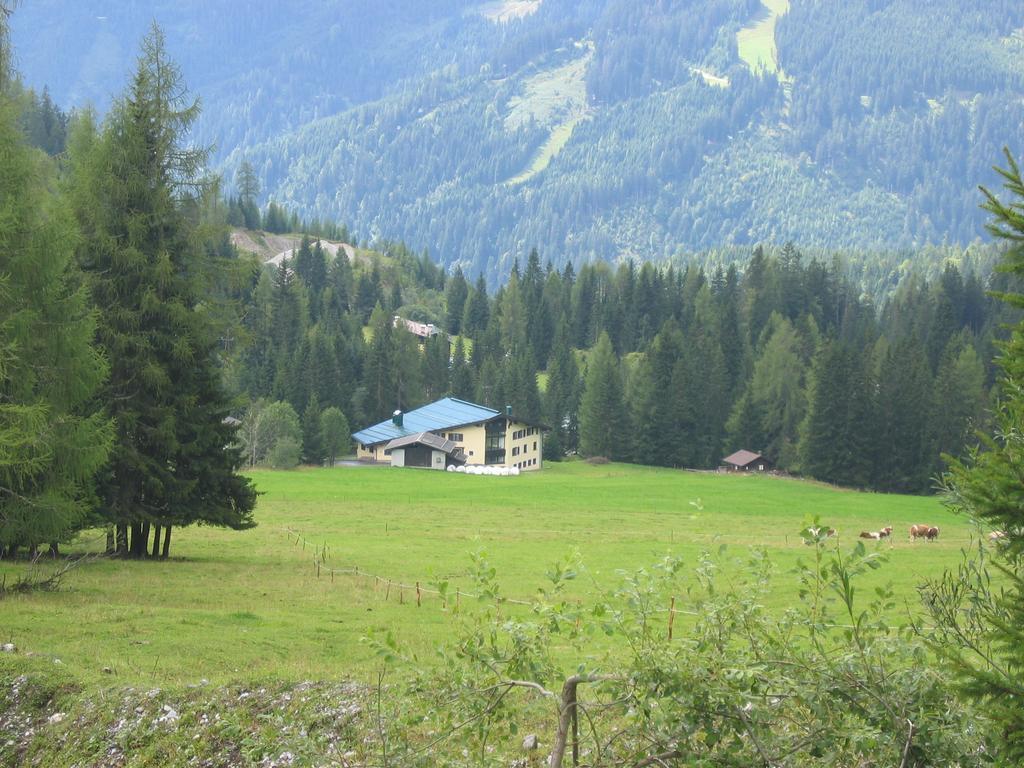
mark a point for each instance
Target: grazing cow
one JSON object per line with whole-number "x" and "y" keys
{"x": 932, "y": 534}
{"x": 877, "y": 535}
{"x": 919, "y": 531}
{"x": 816, "y": 532}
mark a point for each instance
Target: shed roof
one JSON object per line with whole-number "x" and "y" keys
{"x": 446, "y": 413}
{"x": 424, "y": 438}
{"x": 741, "y": 458}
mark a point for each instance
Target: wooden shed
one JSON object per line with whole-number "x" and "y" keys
{"x": 425, "y": 450}
{"x": 747, "y": 461}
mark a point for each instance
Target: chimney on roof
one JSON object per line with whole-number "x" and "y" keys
{"x": 396, "y": 418}
{"x": 508, "y": 411}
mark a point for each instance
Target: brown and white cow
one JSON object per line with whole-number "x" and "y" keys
{"x": 919, "y": 531}
{"x": 932, "y": 533}
{"x": 877, "y": 535}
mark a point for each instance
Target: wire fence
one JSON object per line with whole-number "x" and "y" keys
{"x": 419, "y": 589}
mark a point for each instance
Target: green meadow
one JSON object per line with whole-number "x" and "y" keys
{"x": 254, "y": 605}
{"x": 756, "y": 41}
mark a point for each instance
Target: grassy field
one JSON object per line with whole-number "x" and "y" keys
{"x": 557, "y": 99}
{"x": 250, "y": 605}
{"x": 757, "y": 40}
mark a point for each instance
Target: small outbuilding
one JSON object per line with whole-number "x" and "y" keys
{"x": 747, "y": 461}
{"x": 425, "y": 450}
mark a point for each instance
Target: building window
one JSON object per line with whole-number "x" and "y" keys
{"x": 456, "y": 437}
{"x": 515, "y": 451}
{"x": 470, "y": 453}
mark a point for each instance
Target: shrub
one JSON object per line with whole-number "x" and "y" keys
{"x": 284, "y": 454}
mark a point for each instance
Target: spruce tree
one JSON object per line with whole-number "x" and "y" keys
{"x": 988, "y": 487}
{"x": 477, "y": 312}
{"x": 455, "y": 295}
{"x": 312, "y": 446}
{"x": 904, "y": 447}
{"x": 138, "y": 195}
{"x": 603, "y": 422}
{"x": 561, "y": 397}
{"x": 461, "y": 375}
{"x": 655, "y": 400}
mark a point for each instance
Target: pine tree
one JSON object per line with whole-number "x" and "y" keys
{"x": 837, "y": 434}
{"x": 767, "y": 417}
{"x": 461, "y": 377}
{"x": 138, "y": 192}
{"x": 380, "y": 375}
{"x": 988, "y": 487}
{"x": 312, "y": 446}
{"x": 904, "y": 447}
{"x": 959, "y": 396}
{"x": 51, "y": 440}
{"x": 656, "y": 409}
{"x": 435, "y": 367}
{"x": 456, "y": 293}
{"x": 477, "y": 313}
{"x": 561, "y": 398}
{"x": 248, "y": 191}
{"x": 603, "y": 423}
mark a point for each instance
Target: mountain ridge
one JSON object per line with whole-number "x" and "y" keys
{"x": 401, "y": 121}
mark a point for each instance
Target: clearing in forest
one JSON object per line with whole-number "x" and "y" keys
{"x": 555, "y": 98}
{"x": 501, "y": 11}
{"x": 756, "y": 41}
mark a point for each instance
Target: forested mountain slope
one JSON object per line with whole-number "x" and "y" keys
{"x": 589, "y": 128}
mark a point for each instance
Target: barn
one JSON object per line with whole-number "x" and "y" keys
{"x": 425, "y": 450}
{"x": 747, "y": 461}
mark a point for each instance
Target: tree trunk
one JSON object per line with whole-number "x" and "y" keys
{"x": 137, "y": 547}
{"x": 55, "y": 549}
{"x": 33, "y": 552}
{"x": 122, "y": 540}
{"x": 566, "y": 716}
{"x": 167, "y": 542}
{"x": 156, "y": 541}
{"x": 110, "y": 540}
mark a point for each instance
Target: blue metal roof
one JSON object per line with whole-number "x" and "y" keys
{"x": 445, "y": 413}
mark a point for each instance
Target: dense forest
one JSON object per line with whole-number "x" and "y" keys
{"x": 438, "y": 125}
{"x": 641, "y": 363}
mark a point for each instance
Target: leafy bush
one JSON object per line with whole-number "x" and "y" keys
{"x": 284, "y": 454}
{"x": 828, "y": 683}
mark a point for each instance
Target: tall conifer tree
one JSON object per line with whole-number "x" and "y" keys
{"x": 138, "y": 192}
{"x": 51, "y": 442}
{"x": 603, "y": 422}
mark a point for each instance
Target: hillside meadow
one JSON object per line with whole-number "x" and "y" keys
{"x": 253, "y": 605}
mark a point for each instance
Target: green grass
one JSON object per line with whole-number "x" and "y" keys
{"x": 250, "y": 606}
{"x": 555, "y": 98}
{"x": 756, "y": 41}
{"x": 559, "y": 137}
